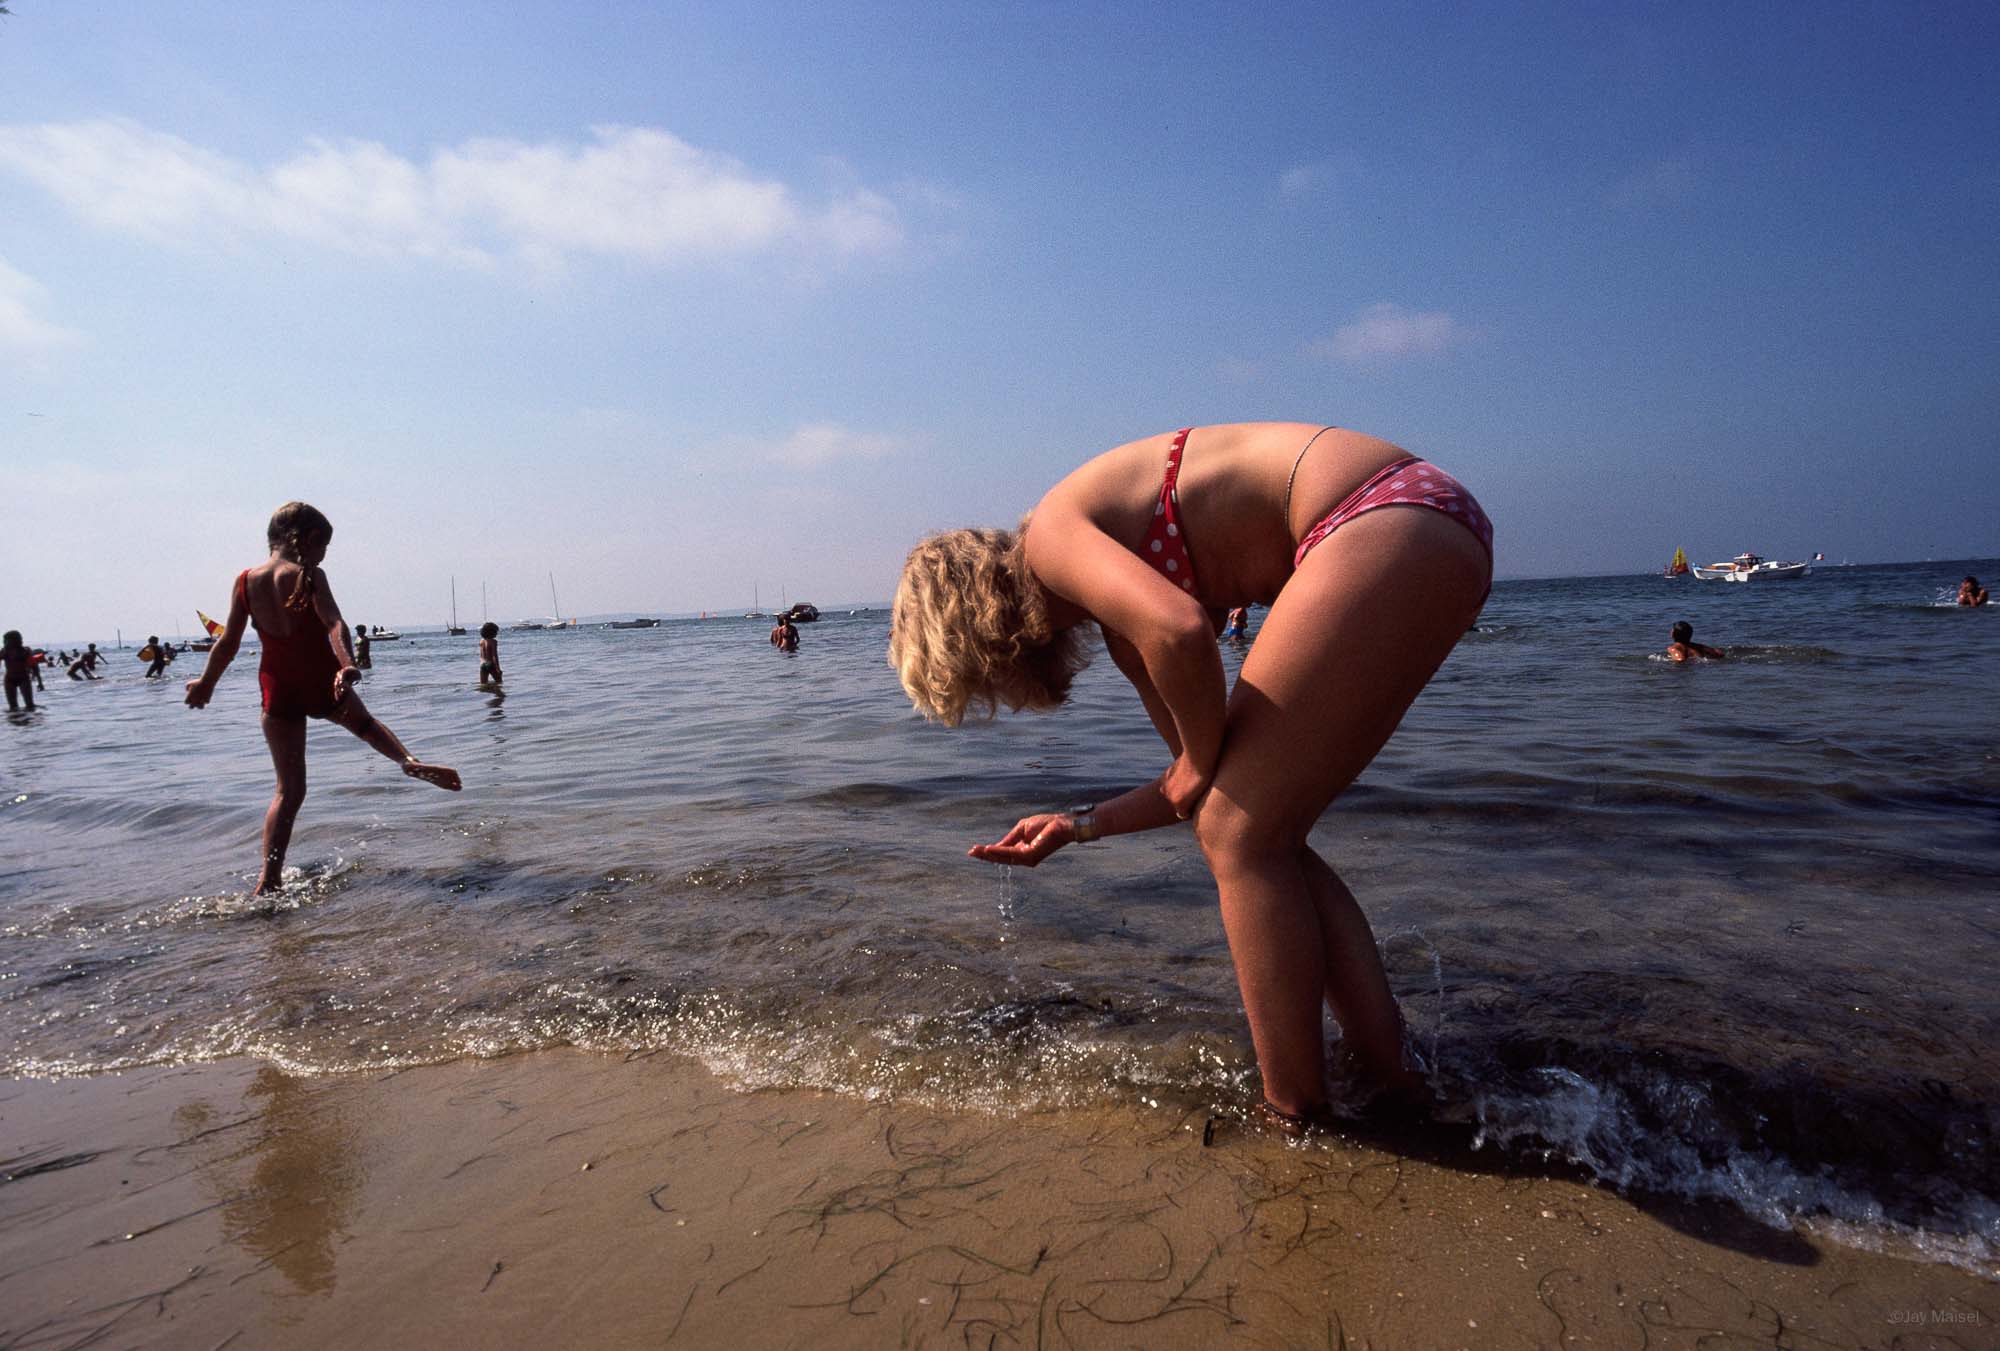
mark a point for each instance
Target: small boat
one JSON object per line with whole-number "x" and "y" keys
{"x": 1749, "y": 567}
{"x": 452, "y": 628}
{"x": 1678, "y": 567}
{"x": 209, "y": 627}
{"x": 805, "y": 612}
{"x": 633, "y": 624}
{"x": 557, "y": 622}
{"x": 526, "y": 626}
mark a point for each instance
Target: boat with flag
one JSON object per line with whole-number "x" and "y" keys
{"x": 1747, "y": 567}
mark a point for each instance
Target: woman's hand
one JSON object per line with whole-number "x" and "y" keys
{"x": 1184, "y": 785}
{"x": 1032, "y": 839}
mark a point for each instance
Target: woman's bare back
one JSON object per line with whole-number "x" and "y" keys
{"x": 1231, "y": 496}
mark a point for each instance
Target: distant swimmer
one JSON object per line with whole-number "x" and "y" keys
{"x": 158, "y": 654}
{"x": 1685, "y": 648}
{"x": 19, "y": 664}
{"x": 361, "y": 657}
{"x": 785, "y": 634}
{"x": 1238, "y": 623}
{"x": 489, "y": 654}
{"x": 1373, "y": 563}
{"x": 307, "y": 670}
{"x": 1970, "y": 592}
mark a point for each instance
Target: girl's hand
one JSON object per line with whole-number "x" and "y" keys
{"x": 198, "y": 694}
{"x": 344, "y": 681}
{"x": 1184, "y": 785}
{"x": 1032, "y": 839}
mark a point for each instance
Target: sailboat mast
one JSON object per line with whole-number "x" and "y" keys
{"x": 454, "y": 602}
{"x": 553, "y": 602}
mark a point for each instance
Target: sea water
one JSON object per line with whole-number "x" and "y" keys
{"x": 1726, "y": 929}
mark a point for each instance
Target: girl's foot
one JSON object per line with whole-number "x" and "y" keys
{"x": 440, "y": 775}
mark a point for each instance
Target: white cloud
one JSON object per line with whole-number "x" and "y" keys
{"x": 1303, "y": 179}
{"x": 21, "y": 329}
{"x": 634, "y": 193}
{"x": 1386, "y": 330}
{"x": 1655, "y": 185}
{"x": 818, "y": 443}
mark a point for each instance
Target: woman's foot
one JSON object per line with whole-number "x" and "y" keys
{"x": 440, "y": 775}
{"x": 1298, "y": 1125}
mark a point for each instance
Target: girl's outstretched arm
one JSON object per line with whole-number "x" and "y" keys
{"x": 202, "y": 687}
{"x": 327, "y": 610}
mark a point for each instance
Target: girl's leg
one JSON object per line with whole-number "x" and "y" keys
{"x": 1356, "y": 633}
{"x": 354, "y": 716}
{"x": 287, "y": 740}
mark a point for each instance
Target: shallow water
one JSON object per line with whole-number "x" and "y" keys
{"x": 1723, "y": 930}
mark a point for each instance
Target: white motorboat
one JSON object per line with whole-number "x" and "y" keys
{"x": 1749, "y": 567}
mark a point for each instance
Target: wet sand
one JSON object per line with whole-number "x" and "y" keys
{"x": 572, "y": 1199}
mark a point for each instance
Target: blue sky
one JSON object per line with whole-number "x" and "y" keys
{"x": 680, "y": 301}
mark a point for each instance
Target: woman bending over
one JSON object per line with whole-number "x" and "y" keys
{"x": 1372, "y": 563}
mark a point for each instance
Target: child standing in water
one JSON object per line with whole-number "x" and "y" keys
{"x": 307, "y": 670}
{"x": 19, "y": 664}
{"x": 1372, "y": 563}
{"x": 489, "y": 653}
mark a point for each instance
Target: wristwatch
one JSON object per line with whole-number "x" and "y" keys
{"x": 1083, "y": 822}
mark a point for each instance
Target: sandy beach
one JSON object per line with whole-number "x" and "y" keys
{"x": 572, "y": 1199}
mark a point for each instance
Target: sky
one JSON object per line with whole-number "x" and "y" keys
{"x": 691, "y": 305}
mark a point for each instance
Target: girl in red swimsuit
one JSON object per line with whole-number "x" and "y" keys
{"x": 1372, "y": 562}
{"x": 306, "y": 670}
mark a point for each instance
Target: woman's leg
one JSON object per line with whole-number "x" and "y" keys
{"x": 287, "y": 740}
{"x": 1352, "y": 639}
{"x": 352, "y": 714}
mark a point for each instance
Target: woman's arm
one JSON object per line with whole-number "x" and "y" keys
{"x": 202, "y": 687}
{"x": 1167, "y": 630}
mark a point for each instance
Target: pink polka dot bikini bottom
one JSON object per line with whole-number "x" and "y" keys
{"x": 1406, "y": 483}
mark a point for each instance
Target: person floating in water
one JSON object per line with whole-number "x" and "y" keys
{"x": 19, "y": 665}
{"x": 1238, "y": 623}
{"x": 785, "y": 634}
{"x": 161, "y": 656}
{"x": 1685, "y": 648}
{"x": 1970, "y": 592}
{"x": 306, "y": 670}
{"x": 1373, "y": 564}
{"x": 489, "y": 654}
{"x": 83, "y": 666}
{"x": 361, "y": 657}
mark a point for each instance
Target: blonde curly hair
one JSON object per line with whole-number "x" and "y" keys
{"x": 970, "y": 627}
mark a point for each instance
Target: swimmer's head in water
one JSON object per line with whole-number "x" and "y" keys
{"x": 1683, "y": 632}
{"x": 970, "y": 628}
{"x": 489, "y": 630}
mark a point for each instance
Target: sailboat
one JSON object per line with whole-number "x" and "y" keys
{"x": 558, "y": 622}
{"x": 1679, "y": 567}
{"x": 211, "y": 628}
{"x": 452, "y": 628}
